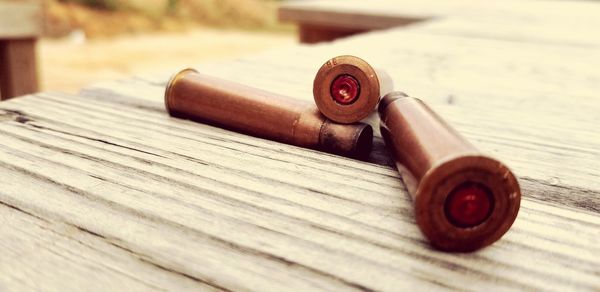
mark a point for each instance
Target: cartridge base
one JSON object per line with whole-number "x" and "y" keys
{"x": 365, "y": 89}
{"x": 438, "y": 183}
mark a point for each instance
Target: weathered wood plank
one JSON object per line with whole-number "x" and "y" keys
{"x": 20, "y": 19}
{"x": 38, "y": 254}
{"x": 212, "y": 205}
{"x": 556, "y": 31}
{"x": 531, "y": 163}
{"x": 531, "y": 105}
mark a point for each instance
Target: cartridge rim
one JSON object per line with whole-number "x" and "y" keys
{"x": 169, "y": 102}
{"x": 368, "y": 93}
{"x": 442, "y": 179}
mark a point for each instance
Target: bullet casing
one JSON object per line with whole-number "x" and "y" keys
{"x": 366, "y": 83}
{"x": 434, "y": 161}
{"x": 248, "y": 110}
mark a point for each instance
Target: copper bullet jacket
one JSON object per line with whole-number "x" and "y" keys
{"x": 463, "y": 200}
{"x": 347, "y": 89}
{"x": 248, "y": 110}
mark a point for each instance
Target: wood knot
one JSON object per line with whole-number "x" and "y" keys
{"x": 14, "y": 115}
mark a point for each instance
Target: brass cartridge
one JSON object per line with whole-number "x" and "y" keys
{"x": 463, "y": 199}
{"x": 347, "y": 89}
{"x": 259, "y": 113}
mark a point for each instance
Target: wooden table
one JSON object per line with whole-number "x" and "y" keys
{"x": 20, "y": 26}
{"x": 103, "y": 190}
{"x": 326, "y": 20}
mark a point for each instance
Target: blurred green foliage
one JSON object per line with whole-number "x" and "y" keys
{"x": 102, "y": 4}
{"x": 172, "y": 5}
{"x": 97, "y": 17}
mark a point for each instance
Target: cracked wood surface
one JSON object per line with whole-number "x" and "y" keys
{"x": 104, "y": 189}
{"x": 533, "y": 105}
{"x": 235, "y": 212}
{"x": 42, "y": 254}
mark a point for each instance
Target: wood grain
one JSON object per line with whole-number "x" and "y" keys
{"x": 38, "y": 254}
{"x": 214, "y": 206}
{"x": 532, "y": 105}
{"x": 104, "y": 189}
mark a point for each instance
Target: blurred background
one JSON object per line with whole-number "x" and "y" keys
{"x": 86, "y": 41}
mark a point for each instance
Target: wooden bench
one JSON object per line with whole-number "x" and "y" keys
{"x": 20, "y": 26}
{"x": 104, "y": 190}
{"x": 320, "y": 21}
{"x": 326, "y": 20}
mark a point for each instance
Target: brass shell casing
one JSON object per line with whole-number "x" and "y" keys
{"x": 433, "y": 159}
{"x": 372, "y": 84}
{"x": 259, "y": 113}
